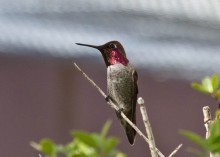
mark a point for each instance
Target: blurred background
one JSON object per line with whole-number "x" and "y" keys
{"x": 171, "y": 43}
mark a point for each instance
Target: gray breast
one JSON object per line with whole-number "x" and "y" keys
{"x": 120, "y": 85}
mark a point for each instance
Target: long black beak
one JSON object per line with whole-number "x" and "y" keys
{"x": 93, "y": 46}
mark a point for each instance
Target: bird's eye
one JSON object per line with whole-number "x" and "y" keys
{"x": 113, "y": 46}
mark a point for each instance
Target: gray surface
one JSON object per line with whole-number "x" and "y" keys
{"x": 176, "y": 40}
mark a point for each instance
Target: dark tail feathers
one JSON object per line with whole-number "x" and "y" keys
{"x": 130, "y": 134}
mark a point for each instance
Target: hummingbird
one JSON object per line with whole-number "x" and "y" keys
{"x": 122, "y": 86}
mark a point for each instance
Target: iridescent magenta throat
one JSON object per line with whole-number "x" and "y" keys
{"x": 115, "y": 57}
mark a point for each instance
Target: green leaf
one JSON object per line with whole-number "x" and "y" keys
{"x": 79, "y": 155}
{"x": 195, "y": 138}
{"x": 61, "y": 149}
{"x": 217, "y": 113}
{"x": 79, "y": 148}
{"x": 215, "y": 129}
{"x": 84, "y": 137}
{"x": 218, "y": 95}
{"x": 215, "y": 148}
{"x": 110, "y": 144}
{"x": 199, "y": 87}
{"x": 83, "y": 145}
{"x": 215, "y": 81}
{"x": 70, "y": 148}
{"x": 48, "y": 146}
{"x": 207, "y": 84}
{"x": 213, "y": 141}
{"x": 76, "y": 153}
{"x": 99, "y": 141}
{"x": 35, "y": 146}
{"x": 105, "y": 128}
{"x": 197, "y": 152}
{"x": 120, "y": 154}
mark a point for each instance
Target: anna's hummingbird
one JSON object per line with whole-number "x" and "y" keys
{"x": 121, "y": 82}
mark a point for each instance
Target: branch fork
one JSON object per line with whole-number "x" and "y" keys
{"x": 155, "y": 152}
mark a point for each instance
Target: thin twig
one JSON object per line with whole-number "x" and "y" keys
{"x": 175, "y": 150}
{"x": 207, "y": 122}
{"x": 147, "y": 125}
{"x": 90, "y": 80}
{"x": 115, "y": 107}
{"x": 207, "y": 119}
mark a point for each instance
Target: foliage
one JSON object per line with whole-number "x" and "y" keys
{"x": 211, "y": 144}
{"x": 83, "y": 145}
{"x": 208, "y": 85}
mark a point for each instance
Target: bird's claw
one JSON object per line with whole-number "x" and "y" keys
{"x": 120, "y": 110}
{"x": 108, "y": 98}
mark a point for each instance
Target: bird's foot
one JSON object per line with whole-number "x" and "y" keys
{"x": 120, "y": 110}
{"x": 108, "y": 98}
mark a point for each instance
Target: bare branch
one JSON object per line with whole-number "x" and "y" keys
{"x": 116, "y": 108}
{"x": 91, "y": 81}
{"x": 147, "y": 125}
{"x": 207, "y": 122}
{"x": 175, "y": 150}
{"x": 206, "y": 114}
{"x": 207, "y": 119}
